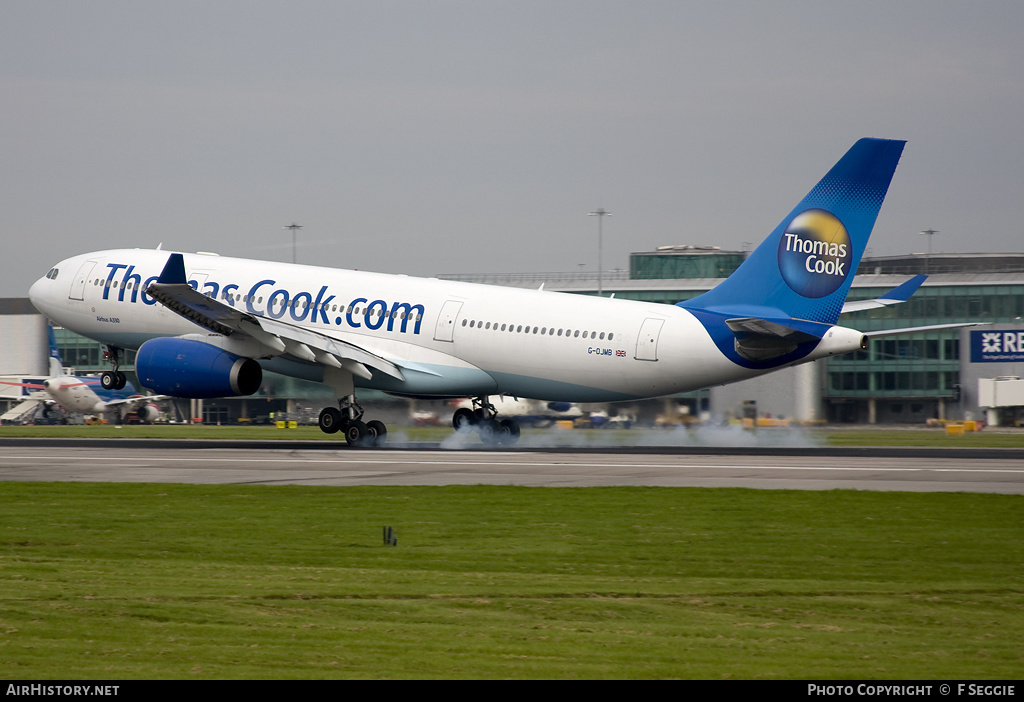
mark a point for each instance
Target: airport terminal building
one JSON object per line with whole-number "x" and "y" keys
{"x": 900, "y": 379}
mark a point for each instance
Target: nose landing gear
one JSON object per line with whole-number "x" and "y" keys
{"x": 113, "y": 379}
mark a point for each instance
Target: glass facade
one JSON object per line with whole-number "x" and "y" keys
{"x": 86, "y": 355}
{"x": 683, "y": 262}
{"x": 913, "y": 376}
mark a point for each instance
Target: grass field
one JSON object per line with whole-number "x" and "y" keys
{"x": 115, "y": 581}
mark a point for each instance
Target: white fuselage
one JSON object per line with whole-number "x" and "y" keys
{"x": 74, "y": 395}
{"x": 449, "y": 338}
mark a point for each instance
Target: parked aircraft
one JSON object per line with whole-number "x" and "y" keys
{"x": 207, "y": 326}
{"x": 78, "y": 394}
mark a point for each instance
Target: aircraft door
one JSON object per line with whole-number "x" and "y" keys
{"x": 77, "y": 291}
{"x": 647, "y": 339}
{"x": 445, "y": 329}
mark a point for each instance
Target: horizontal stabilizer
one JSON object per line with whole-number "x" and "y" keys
{"x": 901, "y": 293}
{"x": 914, "y": 330}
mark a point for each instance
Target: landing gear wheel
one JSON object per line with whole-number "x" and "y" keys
{"x": 377, "y": 433}
{"x": 490, "y": 432}
{"x": 509, "y": 431}
{"x": 330, "y": 420}
{"x": 463, "y": 417}
{"x": 356, "y": 432}
{"x": 113, "y": 380}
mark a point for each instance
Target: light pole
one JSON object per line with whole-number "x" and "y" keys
{"x": 927, "y": 262}
{"x": 600, "y": 213}
{"x": 294, "y": 227}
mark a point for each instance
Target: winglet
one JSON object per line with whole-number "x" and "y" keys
{"x": 174, "y": 271}
{"x": 903, "y": 291}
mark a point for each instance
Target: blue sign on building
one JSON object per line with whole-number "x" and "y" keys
{"x": 997, "y": 346}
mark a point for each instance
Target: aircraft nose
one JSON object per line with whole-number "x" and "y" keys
{"x": 42, "y": 293}
{"x": 37, "y": 293}
{"x": 36, "y": 290}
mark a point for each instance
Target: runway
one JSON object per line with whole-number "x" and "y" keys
{"x": 314, "y": 463}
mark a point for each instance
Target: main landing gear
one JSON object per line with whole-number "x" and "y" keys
{"x": 113, "y": 379}
{"x": 347, "y": 417}
{"x": 484, "y": 420}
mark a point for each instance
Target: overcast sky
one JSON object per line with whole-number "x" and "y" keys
{"x": 428, "y": 137}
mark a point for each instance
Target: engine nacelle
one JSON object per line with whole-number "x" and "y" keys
{"x": 148, "y": 414}
{"x": 188, "y": 368}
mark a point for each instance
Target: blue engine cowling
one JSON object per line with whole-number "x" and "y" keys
{"x": 189, "y": 368}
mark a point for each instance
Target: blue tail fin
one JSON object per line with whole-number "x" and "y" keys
{"x": 56, "y": 367}
{"x": 804, "y": 269}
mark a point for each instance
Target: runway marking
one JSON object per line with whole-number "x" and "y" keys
{"x": 502, "y": 464}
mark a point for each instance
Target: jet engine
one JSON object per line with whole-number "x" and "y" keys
{"x": 189, "y": 368}
{"x": 148, "y": 413}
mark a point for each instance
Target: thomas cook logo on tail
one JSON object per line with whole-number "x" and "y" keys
{"x": 815, "y": 253}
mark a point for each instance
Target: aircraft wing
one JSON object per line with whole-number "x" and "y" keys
{"x": 174, "y": 292}
{"x": 135, "y": 401}
{"x": 901, "y": 293}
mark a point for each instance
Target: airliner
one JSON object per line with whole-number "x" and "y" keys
{"x": 208, "y": 326}
{"x": 77, "y": 394}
